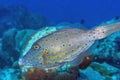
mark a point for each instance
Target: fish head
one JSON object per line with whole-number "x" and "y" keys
{"x": 33, "y": 57}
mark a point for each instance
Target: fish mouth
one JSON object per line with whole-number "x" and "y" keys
{"x": 22, "y": 62}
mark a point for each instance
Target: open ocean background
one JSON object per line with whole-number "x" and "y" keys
{"x": 93, "y": 12}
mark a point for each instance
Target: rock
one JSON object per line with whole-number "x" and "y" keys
{"x": 83, "y": 77}
{"x": 9, "y": 74}
{"x": 16, "y": 65}
{"x": 91, "y": 74}
{"x": 21, "y": 38}
{"x": 13, "y": 42}
{"x": 2, "y": 65}
{"x": 20, "y": 18}
{"x": 9, "y": 53}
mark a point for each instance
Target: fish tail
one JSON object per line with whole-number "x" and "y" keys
{"x": 105, "y": 30}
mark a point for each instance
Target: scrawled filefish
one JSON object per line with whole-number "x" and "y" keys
{"x": 65, "y": 46}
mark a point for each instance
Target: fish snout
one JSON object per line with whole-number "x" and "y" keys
{"x": 23, "y": 62}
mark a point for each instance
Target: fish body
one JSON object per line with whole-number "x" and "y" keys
{"x": 63, "y": 46}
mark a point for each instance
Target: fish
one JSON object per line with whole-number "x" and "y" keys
{"x": 65, "y": 46}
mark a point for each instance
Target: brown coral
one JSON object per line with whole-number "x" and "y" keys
{"x": 53, "y": 74}
{"x": 35, "y": 74}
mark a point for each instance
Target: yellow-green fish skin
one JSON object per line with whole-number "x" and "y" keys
{"x": 57, "y": 48}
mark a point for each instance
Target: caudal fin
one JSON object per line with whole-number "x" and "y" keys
{"x": 105, "y": 30}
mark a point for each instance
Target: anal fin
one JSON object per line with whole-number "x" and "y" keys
{"x": 79, "y": 59}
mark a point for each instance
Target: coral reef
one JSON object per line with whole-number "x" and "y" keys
{"x": 1, "y": 56}
{"x": 13, "y": 44}
{"x": 19, "y": 17}
{"x": 9, "y": 74}
{"x": 91, "y": 74}
{"x": 100, "y": 71}
{"x": 104, "y": 69}
{"x": 9, "y": 53}
{"x": 51, "y": 74}
{"x": 19, "y": 38}
{"x": 108, "y": 50}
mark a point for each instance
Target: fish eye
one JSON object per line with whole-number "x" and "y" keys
{"x": 36, "y": 47}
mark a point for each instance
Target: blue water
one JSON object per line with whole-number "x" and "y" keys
{"x": 92, "y": 11}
